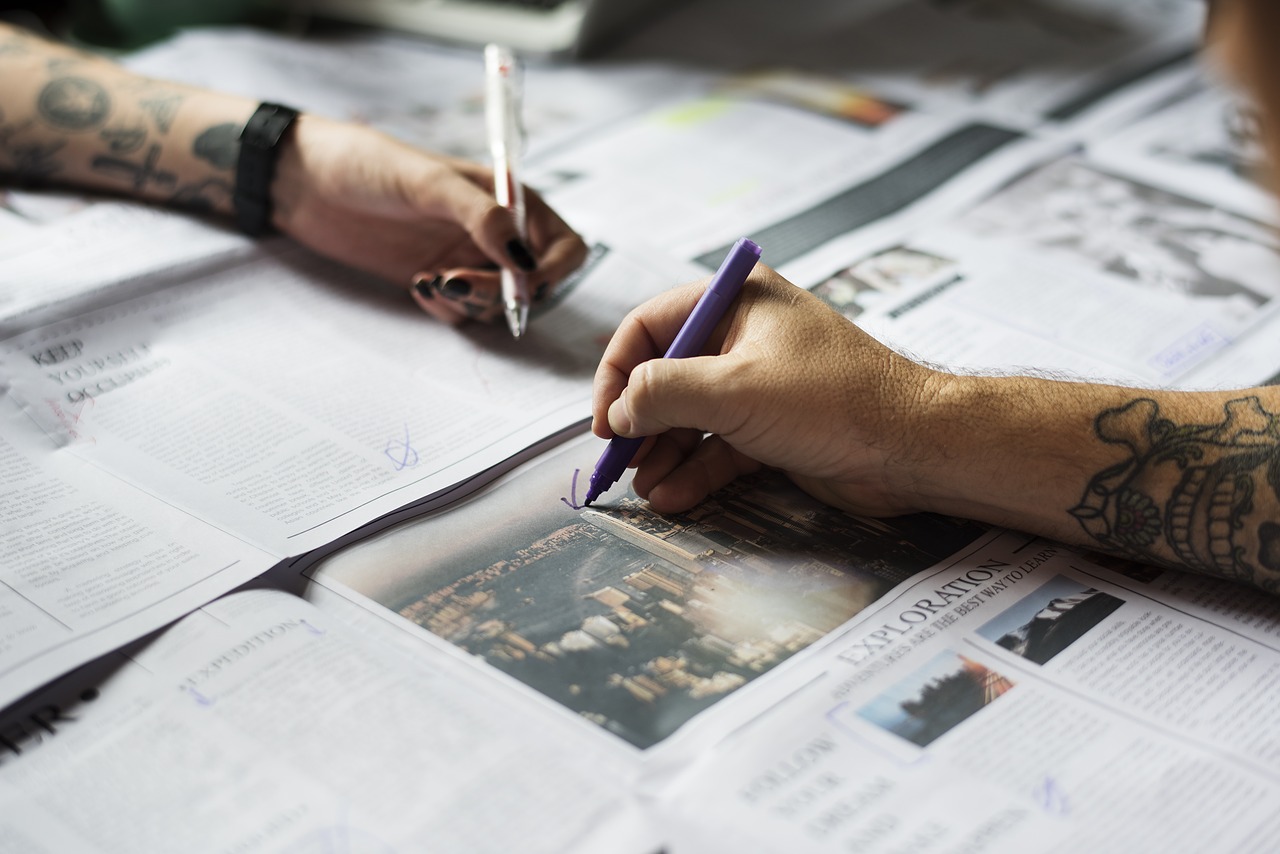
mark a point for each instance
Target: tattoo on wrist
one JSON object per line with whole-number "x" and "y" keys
{"x": 201, "y": 197}
{"x": 73, "y": 103}
{"x": 218, "y": 145}
{"x": 124, "y": 140}
{"x": 27, "y": 161}
{"x": 34, "y": 163}
{"x": 162, "y": 109}
{"x": 141, "y": 176}
{"x": 1200, "y": 496}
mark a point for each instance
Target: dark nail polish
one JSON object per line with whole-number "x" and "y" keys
{"x": 473, "y": 310}
{"x": 426, "y": 288}
{"x": 521, "y": 254}
{"x": 456, "y": 288}
{"x": 540, "y": 292}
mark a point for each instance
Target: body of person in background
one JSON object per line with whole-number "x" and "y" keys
{"x": 1189, "y": 480}
{"x": 426, "y": 222}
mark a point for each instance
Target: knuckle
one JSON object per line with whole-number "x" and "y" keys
{"x": 493, "y": 218}
{"x": 640, "y": 392}
{"x": 640, "y": 380}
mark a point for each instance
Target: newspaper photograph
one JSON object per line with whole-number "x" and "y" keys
{"x": 632, "y": 620}
{"x": 1206, "y": 144}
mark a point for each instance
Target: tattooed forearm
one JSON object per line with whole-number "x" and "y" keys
{"x": 1204, "y": 497}
{"x": 76, "y": 119}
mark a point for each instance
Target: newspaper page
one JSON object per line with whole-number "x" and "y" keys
{"x": 264, "y": 724}
{"x": 1205, "y": 145}
{"x": 802, "y": 165}
{"x": 289, "y": 402}
{"x": 1080, "y": 272}
{"x": 94, "y": 251}
{"x": 273, "y": 405}
{"x": 91, "y": 563}
{"x": 1018, "y": 697}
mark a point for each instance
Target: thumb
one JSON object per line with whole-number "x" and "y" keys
{"x": 665, "y": 393}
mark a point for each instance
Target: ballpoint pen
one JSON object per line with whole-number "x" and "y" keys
{"x": 506, "y": 138}
{"x": 689, "y": 341}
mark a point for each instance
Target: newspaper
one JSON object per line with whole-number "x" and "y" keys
{"x": 678, "y": 688}
{"x": 228, "y": 441}
{"x": 262, "y": 723}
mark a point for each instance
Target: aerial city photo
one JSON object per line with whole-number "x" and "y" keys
{"x": 638, "y": 621}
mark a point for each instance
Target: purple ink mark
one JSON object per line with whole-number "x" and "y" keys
{"x": 572, "y": 500}
{"x": 312, "y": 629}
{"x": 401, "y": 452}
{"x": 201, "y": 699}
{"x": 1051, "y": 798}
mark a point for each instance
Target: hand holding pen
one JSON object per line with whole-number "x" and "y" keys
{"x": 786, "y": 383}
{"x": 693, "y": 335}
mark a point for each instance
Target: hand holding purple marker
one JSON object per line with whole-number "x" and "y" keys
{"x": 692, "y": 337}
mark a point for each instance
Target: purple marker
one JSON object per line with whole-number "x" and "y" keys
{"x": 692, "y": 337}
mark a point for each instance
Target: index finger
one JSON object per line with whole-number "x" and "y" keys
{"x": 559, "y": 248}
{"x": 644, "y": 334}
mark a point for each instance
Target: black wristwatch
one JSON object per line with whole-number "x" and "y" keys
{"x": 256, "y": 166}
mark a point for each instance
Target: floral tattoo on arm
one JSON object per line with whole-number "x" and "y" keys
{"x": 1204, "y": 497}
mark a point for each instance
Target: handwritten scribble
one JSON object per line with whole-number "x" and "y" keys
{"x": 401, "y": 452}
{"x": 315, "y": 630}
{"x": 572, "y": 500}
{"x": 201, "y": 699}
{"x": 1050, "y": 797}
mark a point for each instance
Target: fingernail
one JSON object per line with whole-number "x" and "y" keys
{"x": 540, "y": 292}
{"x": 473, "y": 311}
{"x": 521, "y": 254}
{"x": 425, "y": 288}
{"x": 456, "y": 288}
